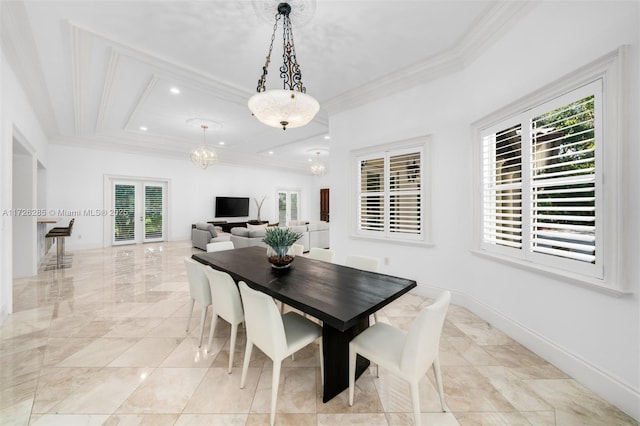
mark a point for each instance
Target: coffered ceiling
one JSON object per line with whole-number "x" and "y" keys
{"x": 98, "y": 72}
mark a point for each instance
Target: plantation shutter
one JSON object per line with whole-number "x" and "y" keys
{"x": 502, "y": 187}
{"x": 153, "y": 212}
{"x": 404, "y": 193}
{"x": 372, "y": 188}
{"x": 124, "y": 204}
{"x": 563, "y": 172}
{"x": 390, "y": 194}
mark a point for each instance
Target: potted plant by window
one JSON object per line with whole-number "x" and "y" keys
{"x": 280, "y": 241}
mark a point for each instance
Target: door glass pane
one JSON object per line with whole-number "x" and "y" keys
{"x": 153, "y": 208}
{"x": 124, "y": 204}
{"x": 294, "y": 206}
{"x": 282, "y": 208}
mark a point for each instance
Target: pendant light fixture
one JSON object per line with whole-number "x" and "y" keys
{"x": 203, "y": 156}
{"x": 317, "y": 168}
{"x": 290, "y": 106}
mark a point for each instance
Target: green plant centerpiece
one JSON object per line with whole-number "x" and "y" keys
{"x": 280, "y": 241}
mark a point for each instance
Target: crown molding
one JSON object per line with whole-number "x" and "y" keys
{"x": 80, "y": 68}
{"x": 485, "y": 31}
{"x": 112, "y": 67}
{"x": 163, "y": 147}
{"x": 221, "y": 89}
{"x": 141, "y": 100}
{"x": 19, "y": 48}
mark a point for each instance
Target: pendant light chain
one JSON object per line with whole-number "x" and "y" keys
{"x": 290, "y": 70}
{"x": 263, "y": 79}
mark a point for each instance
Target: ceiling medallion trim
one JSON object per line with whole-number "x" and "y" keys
{"x": 302, "y": 11}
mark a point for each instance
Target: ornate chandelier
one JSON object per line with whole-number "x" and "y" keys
{"x": 317, "y": 168}
{"x": 203, "y": 156}
{"x": 289, "y": 107}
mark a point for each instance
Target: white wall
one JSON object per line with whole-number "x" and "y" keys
{"x": 75, "y": 181}
{"x": 589, "y": 334}
{"x": 24, "y": 236}
{"x": 17, "y": 120}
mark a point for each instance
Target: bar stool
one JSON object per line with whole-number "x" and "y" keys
{"x": 60, "y": 233}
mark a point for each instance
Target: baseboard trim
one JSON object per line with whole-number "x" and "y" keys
{"x": 608, "y": 387}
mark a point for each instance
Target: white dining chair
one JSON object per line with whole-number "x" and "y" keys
{"x": 326, "y": 255}
{"x": 199, "y": 291}
{"x": 226, "y": 305}
{"x": 278, "y": 336}
{"x": 365, "y": 263}
{"x": 406, "y": 354}
{"x": 220, "y": 246}
{"x": 297, "y": 249}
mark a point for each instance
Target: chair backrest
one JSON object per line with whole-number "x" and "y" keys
{"x": 366, "y": 263}
{"x": 220, "y": 246}
{"x": 318, "y": 253}
{"x": 297, "y": 249}
{"x": 423, "y": 339}
{"x": 263, "y": 322}
{"x": 198, "y": 281}
{"x": 225, "y": 294}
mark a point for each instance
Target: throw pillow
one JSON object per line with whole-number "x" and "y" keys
{"x": 212, "y": 230}
{"x": 251, "y": 227}
{"x": 203, "y": 226}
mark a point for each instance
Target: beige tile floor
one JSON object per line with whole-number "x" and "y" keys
{"x": 104, "y": 342}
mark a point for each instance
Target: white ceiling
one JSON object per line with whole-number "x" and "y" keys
{"x": 99, "y": 70}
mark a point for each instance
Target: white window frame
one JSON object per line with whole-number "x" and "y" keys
{"x": 420, "y": 144}
{"x": 609, "y": 72}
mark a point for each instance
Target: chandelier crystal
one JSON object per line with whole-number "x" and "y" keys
{"x": 317, "y": 168}
{"x": 203, "y": 156}
{"x": 289, "y": 107}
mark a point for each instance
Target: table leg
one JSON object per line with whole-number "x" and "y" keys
{"x": 335, "y": 347}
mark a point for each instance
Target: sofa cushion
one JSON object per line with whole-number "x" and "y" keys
{"x": 258, "y": 233}
{"x": 251, "y": 227}
{"x": 240, "y": 231}
{"x": 207, "y": 227}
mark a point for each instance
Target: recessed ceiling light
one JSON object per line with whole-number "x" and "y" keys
{"x": 309, "y": 160}
{"x": 143, "y": 128}
{"x": 270, "y": 152}
{"x": 175, "y": 90}
{"x": 221, "y": 143}
{"x": 327, "y": 137}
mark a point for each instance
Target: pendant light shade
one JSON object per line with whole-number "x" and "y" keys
{"x": 283, "y": 108}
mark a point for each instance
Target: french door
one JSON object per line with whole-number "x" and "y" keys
{"x": 139, "y": 211}
{"x": 288, "y": 206}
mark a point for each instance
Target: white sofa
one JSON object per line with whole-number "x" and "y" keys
{"x": 204, "y": 233}
{"x": 314, "y": 234}
{"x": 244, "y": 237}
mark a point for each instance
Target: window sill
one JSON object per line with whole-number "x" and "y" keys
{"x": 570, "y": 277}
{"x": 415, "y": 243}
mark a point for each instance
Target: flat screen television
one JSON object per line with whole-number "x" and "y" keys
{"x": 232, "y": 207}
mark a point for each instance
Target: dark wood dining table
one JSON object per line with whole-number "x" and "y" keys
{"x": 341, "y": 297}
